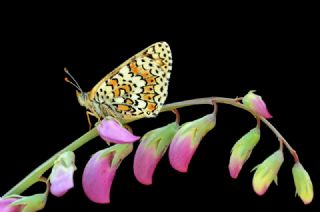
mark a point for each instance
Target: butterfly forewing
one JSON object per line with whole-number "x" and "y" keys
{"x": 138, "y": 87}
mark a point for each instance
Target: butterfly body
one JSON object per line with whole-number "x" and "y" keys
{"x": 137, "y": 88}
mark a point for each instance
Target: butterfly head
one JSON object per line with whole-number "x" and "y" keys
{"x": 82, "y": 98}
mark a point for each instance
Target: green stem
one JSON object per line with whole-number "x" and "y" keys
{"x": 282, "y": 139}
{"x": 235, "y": 103}
{"x": 35, "y": 175}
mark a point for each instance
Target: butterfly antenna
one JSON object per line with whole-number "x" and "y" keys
{"x": 73, "y": 82}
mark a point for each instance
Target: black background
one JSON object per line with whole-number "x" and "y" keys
{"x": 213, "y": 55}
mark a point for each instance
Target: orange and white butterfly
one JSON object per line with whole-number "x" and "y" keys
{"x": 137, "y": 88}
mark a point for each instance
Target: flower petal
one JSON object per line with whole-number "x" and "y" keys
{"x": 97, "y": 178}
{"x": 187, "y": 140}
{"x": 6, "y": 205}
{"x": 256, "y": 104}
{"x": 261, "y": 108}
{"x": 266, "y": 172}
{"x": 152, "y": 147}
{"x": 61, "y": 177}
{"x": 112, "y": 131}
{"x": 145, "y": 163}
{"x": 241, "y": 151}
{"x": 303, "y": 183}
{"x": 31, "y": 203}
{"x": 62, "y": 182}
{"x": 100, "y": 170}
{"x": 180, "y": 153}
{"x": 235, "y": 167}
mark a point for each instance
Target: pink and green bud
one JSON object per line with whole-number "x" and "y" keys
{"x": 152, "y": 147}
{"x": 32, "y": 203}
{"x": 100, "y": 170}
{"x": 61, "y": 177}
{"x": 112, "y": 131}
{"x": 187, "y": 139}
{"x": 266, "y": 172}
{"x": 302, "y": 183}
{"x": 16, "y": 203}
{"x": 6, "y": 205}
{"x": 256, "y": 104}
{"x": 241, "y": 151}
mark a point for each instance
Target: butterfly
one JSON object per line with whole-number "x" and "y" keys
{"x": 137, "y": 88}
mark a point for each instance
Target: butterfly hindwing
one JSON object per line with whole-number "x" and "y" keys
{"x": 139, "y": 86}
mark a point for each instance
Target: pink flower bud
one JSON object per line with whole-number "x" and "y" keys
{"x": 187, "y": 139}
{"x": 152, "y": 147}
{"x": 241, "y": 151}
{"x": 111, "y": 131}
{"x": 256, "y": 104}
{"x": 100, "y": 170}
{"x": 61, "y": 177}
{"x": 17, "y": 203}
{"x": 6, "y": 205}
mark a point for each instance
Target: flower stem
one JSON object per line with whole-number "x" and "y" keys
{"x": 234, "y": 102}
{"x": 282, "y": 140}
{"x": 176, "y": 112}
{"x": 36, "y": 175}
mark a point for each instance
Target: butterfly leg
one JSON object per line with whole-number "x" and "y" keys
{"x": 89, "y": 113}
{"x": 128, "y": 128}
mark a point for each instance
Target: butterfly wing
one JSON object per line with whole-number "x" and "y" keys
{"x": 138, "y": 87}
